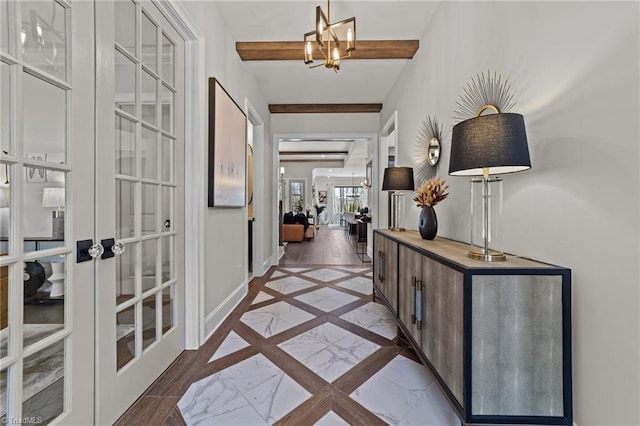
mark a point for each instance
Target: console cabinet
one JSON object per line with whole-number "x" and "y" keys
{"x": 497, "y": 336}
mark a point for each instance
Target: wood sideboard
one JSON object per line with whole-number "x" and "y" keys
{"x": 497, "y": 335}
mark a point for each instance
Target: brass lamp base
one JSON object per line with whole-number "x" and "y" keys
{"x": 397, "y": 229}
{"x": 489, "y": 256}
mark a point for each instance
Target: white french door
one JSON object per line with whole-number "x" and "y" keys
{"x": 91, "y": 132}
{"x": 139, "y": 201}
{"x": 47, "y": 138}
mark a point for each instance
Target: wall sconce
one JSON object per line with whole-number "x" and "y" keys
{"x": 398, "y": 179}
{"x": 54, "y": 197}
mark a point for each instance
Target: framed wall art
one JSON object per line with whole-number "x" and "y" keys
{"x": 322, "y": 197}
{"x": 227, "y": 149}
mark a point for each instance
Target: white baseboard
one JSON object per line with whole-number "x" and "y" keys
{"x": 265, "y": 266}
{"x": 214, "y": 319}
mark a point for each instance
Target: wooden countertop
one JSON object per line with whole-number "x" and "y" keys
{"x": 456, "y": 252}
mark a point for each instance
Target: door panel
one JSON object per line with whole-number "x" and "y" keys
{"x": 47, "y": 131}
{"x": 140, "y": 174}
{"x": 409, "y": 278}
{"x": 443, "y": 310}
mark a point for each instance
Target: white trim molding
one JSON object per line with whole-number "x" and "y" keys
{"x": 195, "y": 122}
{"x": 223, "y": 310}
{"x": 259, "y": 201}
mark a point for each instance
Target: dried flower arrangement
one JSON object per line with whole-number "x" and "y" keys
{"x": 431, "y": 192}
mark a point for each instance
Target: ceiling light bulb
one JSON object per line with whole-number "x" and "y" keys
{"x": 336, "y": 54}
{"x": 23, "y": 36}
{"x": 308, "y": 53}
{"x": 39, "y": 29}
{"x": 349, "y": 39}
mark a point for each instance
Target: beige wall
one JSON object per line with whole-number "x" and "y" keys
{"x": 574, "y": 69}
{"x": 226, "y": 228}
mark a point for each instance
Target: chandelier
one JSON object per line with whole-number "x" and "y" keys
{"x": 334, "y": 41}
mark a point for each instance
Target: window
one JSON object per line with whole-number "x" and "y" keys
{"x": 348, "y": 199}
{"x": 296, "y": 195}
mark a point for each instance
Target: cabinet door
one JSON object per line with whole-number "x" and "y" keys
{"x": 442, "y": 332}
{"x": 390, "y": 274}
{"x": 386, "y": 270}
{"x": 409, "y": 279}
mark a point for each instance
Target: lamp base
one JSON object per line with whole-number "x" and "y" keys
{"x": 57, "y": 222}
{"x": 489, "y": 256}
{"x": 395, "y": 229}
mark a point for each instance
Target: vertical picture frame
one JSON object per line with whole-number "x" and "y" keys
{"x": 322, "y": 197}
{"x": 227, "y": 149}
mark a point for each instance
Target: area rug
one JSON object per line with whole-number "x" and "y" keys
{"x": 40, "y": 369}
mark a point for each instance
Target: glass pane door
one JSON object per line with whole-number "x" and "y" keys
{"x": 139, "y": 175}
{"x": 39, "y": 320}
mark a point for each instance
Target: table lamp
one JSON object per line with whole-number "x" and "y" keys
{"x": 397, "y": 179}
{"x": 54, "y": 197}
{"x": 484, "y": 146}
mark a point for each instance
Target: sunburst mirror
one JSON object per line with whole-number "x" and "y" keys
{"x": 428, "y": 148}
{"x": 482, "y": 93}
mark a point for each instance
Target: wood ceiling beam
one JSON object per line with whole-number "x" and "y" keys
{"x": 323, "y": 108}
{"x": 294, "y": 50}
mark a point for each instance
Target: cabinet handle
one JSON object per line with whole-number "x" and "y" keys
{"x": 379, "y": 265}
{"x": 413, "y": 300}
{"x": 419, "y": 304}
{"x": 382, "y": 267}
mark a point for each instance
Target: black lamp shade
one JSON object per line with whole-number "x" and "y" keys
{"x": 496, "y": 141}
{"x": 398, "y": 179}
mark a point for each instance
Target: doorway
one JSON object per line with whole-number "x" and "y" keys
{"x": 255, "y": 192}
{"x": 386, "y": 158}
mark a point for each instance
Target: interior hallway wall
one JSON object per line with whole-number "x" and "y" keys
{"x": 574, "y": 70}
{"x": 226, "y": 228}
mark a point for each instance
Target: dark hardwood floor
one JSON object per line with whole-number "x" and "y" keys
{"x": 326, "y": 266}
{"x": 328, "y": 247}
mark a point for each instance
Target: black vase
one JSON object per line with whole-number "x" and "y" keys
{"x": 428, "y": 225}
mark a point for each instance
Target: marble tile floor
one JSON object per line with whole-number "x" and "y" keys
{"x": 307, "y": 346}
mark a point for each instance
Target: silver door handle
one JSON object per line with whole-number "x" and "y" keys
{"x": 96, "y": 250}
{"x": 419, "y": 304}
{"x": 118, "y": 249}
{"x": 413, "y": 300}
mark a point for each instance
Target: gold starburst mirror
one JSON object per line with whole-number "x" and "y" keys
{"x": 428, "y": 148}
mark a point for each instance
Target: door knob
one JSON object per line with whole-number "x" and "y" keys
{"x": 96, "y": 250}
{"x": 118, "y": 249}
{"x": 111, "y": 248}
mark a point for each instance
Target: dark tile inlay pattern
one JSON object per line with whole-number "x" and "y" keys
{"x": 288, "y": 362}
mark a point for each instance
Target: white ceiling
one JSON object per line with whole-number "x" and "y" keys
{"x": 358, "y": 81}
